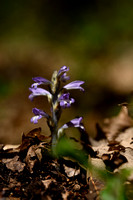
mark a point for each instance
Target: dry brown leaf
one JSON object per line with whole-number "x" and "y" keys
{"x": 125, "y": 138}
{"x": 71, "y": 171}
{"x": 47, "y": 182}
{"x": 14, "y": 183}
{"x": 114, "y": 126}
{"x": 10, "y": 146}
{"x": 129, "y": 155}
{"x": 31, "y": 138}
{"x": 14, "y": 164}
{"x": 38, "y": 152}
{"x": 100, "y": 147}
{"x": 65, "y": 195}
{"x": 114, "y": 160}
{"x": 31, "y": 158}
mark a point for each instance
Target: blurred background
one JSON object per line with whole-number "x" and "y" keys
{"x": 93, "y": 38}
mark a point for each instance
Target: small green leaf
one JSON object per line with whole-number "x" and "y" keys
{"x": 67, "y": 148}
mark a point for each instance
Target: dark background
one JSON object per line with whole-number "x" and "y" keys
{"x": 93, "y": 38}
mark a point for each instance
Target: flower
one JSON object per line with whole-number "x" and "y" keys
{"x": 64, "y": 100}
{"x": 38, "y": 115}
{"x": 35, "y": 119}
{"x": 58, "y": 99}
{"x": 64, "y": 77}
{"x": 62, "y": 74}
{"x": 39, "y": 92}
{"x": 74, "y": 85}
{"x": 63, "y": 70}
{"x": 40, "y": 81}
{"x": 73, "y": 123}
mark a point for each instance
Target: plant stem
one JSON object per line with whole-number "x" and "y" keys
{"x": 55, "y": 125}
{"x": 55, "y": 113}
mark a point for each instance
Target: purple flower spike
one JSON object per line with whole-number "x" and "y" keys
{"x": 63, "y": 70}
{"x": 74, "y": 85}
{"x": 65, "y": 102}
{"x": 38, "y": 115}
{"x": 73, "y": 123}
{"x": 39, "y": 92}
{"x": 40, "y": 81}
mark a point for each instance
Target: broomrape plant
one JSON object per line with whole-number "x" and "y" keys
{"x": 59, "y": 98}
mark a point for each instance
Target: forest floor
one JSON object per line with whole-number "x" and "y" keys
{"x": 28, "y": 171}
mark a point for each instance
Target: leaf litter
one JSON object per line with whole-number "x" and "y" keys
{"x": 28, "y": 171}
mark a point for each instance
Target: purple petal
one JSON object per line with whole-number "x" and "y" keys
{"x": 64, "y": 77}
{"x": 65, "y": 104}
{"x": 39, "y": 92}
{"x": 64, "y": 96}
{"x": 38, "y": 115}
{"x": 37, "y": 111}
{"x": 35, "y": 85}
{"x": 40, "y": 81}
{"x": 63, "y": 70}
{"x": 36, "y": 118}
{"x": 64, "y": 100}
{"x": 73, "y": 123}
{"x": 74, "y": 85}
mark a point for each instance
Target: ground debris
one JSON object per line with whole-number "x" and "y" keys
{"x": 28, "y": 171}
{"x": 114, "y": 145}
{"x": 114, "y": 160}
{"x": 112, "y": 127}
{"x": 14, "y": 164}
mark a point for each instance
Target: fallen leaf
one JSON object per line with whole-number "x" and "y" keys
{"x": 125, "y": 138}
{"x": 129, "y": 155}
{"x": 14, "y": 164}
{"x": 116, "y": 146}
{"x": 47, "y": 182}
{"x": 38, "y": 153}
{"x": 65, "y": 195}
{"x": 31, "y": 158}
{"x": 31, "y": 138}
{"x": 71, "y": 171}
{"x": 10, "y": 146}
{"x": 113, "y": 160}
{"x": 114, "y": 126}
{"x": 14, "y": 183}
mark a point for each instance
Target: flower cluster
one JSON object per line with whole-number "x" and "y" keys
{"x": 58, "y": 97}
